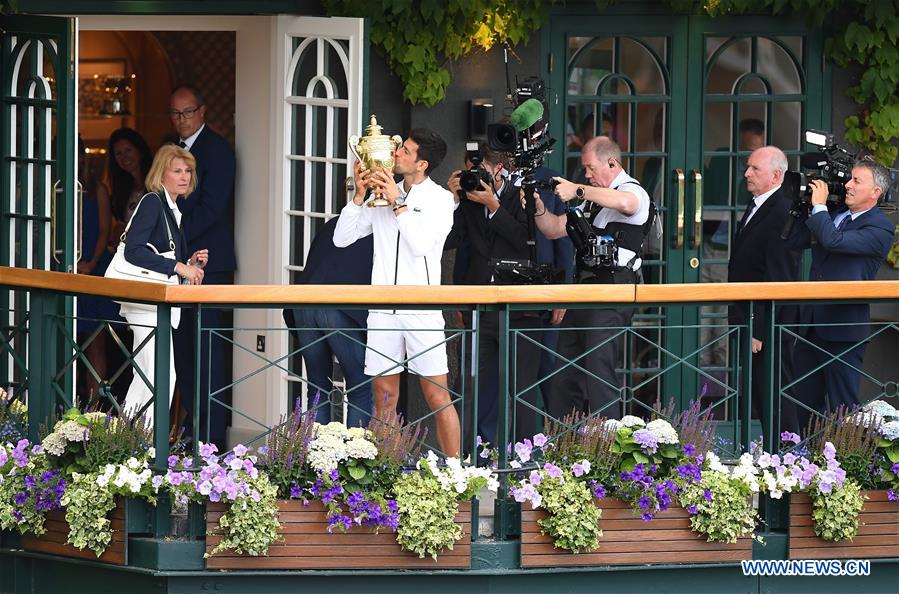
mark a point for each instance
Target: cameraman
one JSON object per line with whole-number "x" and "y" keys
{"x": 847, "y": 245}
{"x": 616, "y": 205}
{"x": 491, "y": 222}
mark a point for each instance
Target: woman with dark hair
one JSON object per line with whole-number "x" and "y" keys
{"x": 129, "y": 161}
{"x": 96, "y": 220}
{"x": 154, "y": 241}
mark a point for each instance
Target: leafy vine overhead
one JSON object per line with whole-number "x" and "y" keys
{"x": 415, "y": 36}
{"x": 418, "y": 36}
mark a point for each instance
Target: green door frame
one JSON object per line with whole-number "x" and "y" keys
{"x": 39, "y": 40}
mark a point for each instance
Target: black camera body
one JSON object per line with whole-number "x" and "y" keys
{"x": 593, "y": 251}
{"x": 470, "y": 179}
{"x": 831, "y": 164}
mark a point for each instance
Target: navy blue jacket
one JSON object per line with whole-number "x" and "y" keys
{"x": 148, "y": 226}
{"x": 853, "y": 253}
{"x": 327, "y": 264}
{"x": 208, "y": 213}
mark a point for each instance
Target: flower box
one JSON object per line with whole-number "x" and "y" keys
{"x": 129, "y": 516}
{"x": 307, "y": 544}
{"x": 628, "y": 540}
{"x": 878, "y": 531}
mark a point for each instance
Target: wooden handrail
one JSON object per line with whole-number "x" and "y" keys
{"x": 449, "y": 295}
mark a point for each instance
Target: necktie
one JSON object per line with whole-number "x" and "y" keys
{"x": 842, "y": 224}
{"x": 746, "y": 214}
{"x": 182, "y": 144}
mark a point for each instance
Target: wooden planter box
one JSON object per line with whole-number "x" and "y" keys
{"x": 128, "y": 517}
{"x": 306, "y": 544}
{"x": 628, "y": 540}
{"x": 878, "y": 531}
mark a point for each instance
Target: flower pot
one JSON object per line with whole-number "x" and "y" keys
{"x": 129, "y": 516}
{"x": 306, "y": 544}
{"x": 878, "y": 531}
{"x": 628, "y": 540}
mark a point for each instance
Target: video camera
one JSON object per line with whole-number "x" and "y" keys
{"x": 525, "y": 139}
{"x": 470, "y": 180}
{"x": 831, "y": 164}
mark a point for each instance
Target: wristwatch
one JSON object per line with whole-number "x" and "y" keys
{"x": 579, "y": 192}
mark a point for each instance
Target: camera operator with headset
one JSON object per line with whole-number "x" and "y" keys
{"x": 490, "y": 220}
{"x": 620, "y": 214}
{"x": 848, "y": 244}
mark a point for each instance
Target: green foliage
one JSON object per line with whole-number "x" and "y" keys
{"x": 427, "y": 515}
{"x": 286, "y": 448}
{"x": 855, "y": 444}
{"x": 87, "y": 507}
{"x": 250, "y": 527}
{"x": 728, "y": 515}
{"x": 572, "y": 518}
{"x": 836, "y": 513}
{"x": 417, "y": 38}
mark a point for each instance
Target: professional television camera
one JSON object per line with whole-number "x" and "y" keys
{"x": 525, "y": 138}
{"x": 470, "y": 180}
{"x": 831, "y": 164}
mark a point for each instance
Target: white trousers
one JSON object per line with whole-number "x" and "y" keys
{"x": 142, "y": 323}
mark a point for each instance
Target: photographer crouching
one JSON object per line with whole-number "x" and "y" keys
{"x": 848, "y": 244}
{"x": 490, "y": 220}
{"x": 608, "y": 230}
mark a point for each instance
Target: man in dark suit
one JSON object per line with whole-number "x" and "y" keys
{"x": 208, "y": 222}
{"x": 493, "y": 224}
{"x": 847, "y": 245}
{"x": 324, "y": 334}
{"x": 758, "y": 254}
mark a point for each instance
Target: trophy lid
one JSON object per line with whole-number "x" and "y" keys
{"x": 373, "y": 128}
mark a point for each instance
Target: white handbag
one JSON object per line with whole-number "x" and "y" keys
{"x": 122, "y": 269}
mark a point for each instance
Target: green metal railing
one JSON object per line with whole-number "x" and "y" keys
{"x": 649, "y": 371}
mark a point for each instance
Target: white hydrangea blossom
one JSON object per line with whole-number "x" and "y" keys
{"x": 361, "y": 448}
{"x": 326, "y": 451}
{"x": 880, "y": 409}
{"x": 612, "y": 425}
{"x": 359, "y": 433}
{"x": 890, "y": 431}
{"x": 663, "y": 431}
{"x": 632, "y": 421}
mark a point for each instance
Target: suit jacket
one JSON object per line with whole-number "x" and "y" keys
{"x": 504, "y": 235}
{"x": 208, "y": 213}
{"x": 854, "y": 252}
{"x": 148, "y": 226}
{"x": 758, "y": 254}
{"x": 327, "y": 264}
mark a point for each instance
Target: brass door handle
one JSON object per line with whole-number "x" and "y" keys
{"x": 697, "y": 215}
{"x": 681, "y": 196}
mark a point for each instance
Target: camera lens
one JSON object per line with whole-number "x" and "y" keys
{"x": 469, "y": 181}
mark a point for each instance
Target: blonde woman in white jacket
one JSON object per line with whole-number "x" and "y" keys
{"x": 408, "y": 246}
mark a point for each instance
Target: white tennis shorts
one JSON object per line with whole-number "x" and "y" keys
{"x": 394, "y": 338}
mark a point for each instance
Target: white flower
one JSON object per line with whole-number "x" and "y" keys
{"x": 361, "y": 448}
{"x": 663, "y": 431}
{"x": 358, "y": 432}
{"x": 612, "y": 425}
{"x": 880, "y": 409}
{"x": 890, "y": 431}
{"x": 632, "y": 421}
{"x": 714, "y": 463}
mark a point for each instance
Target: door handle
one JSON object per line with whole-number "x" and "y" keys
{"x": 681, "y": 196}
{"x": 697, "y": 215}
{"x": 56, "y": 192}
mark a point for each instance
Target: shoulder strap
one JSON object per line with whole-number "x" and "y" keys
{"x": 168, "y": 229}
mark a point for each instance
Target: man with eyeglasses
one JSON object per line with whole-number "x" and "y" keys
{"x": 208, "y": 221}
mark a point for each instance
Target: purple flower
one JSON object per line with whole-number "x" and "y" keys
{"x": 788, "y": 436}
{"x": 18, "y": 516}
{"x": 523, "y": 450}
{"x": 689, "y": 450}
{"x": 20, "y": 498}
{"x": 207, "y": 450}
{"x": 830, "y": 452}
{"x": 539, "y": 440}
{"x": 577, "y": 469}
{"x": 296, "y": 492}
{"x": 646, "y": 439}
{"x": 895, "y": 468}
{"x": 535, "y": 477}
{"x": 172, "y": 461}
{"x": 598, "y": 490}
{"x": 647, "y": 516}
{"x": 644, "y": 502}
{"x": 691, "y": 509}
{"x": 707, "y": 494}
{"x": 892, "y": 496}
{"x": 552, "y": 470}
{"x": 240, "y": 450}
